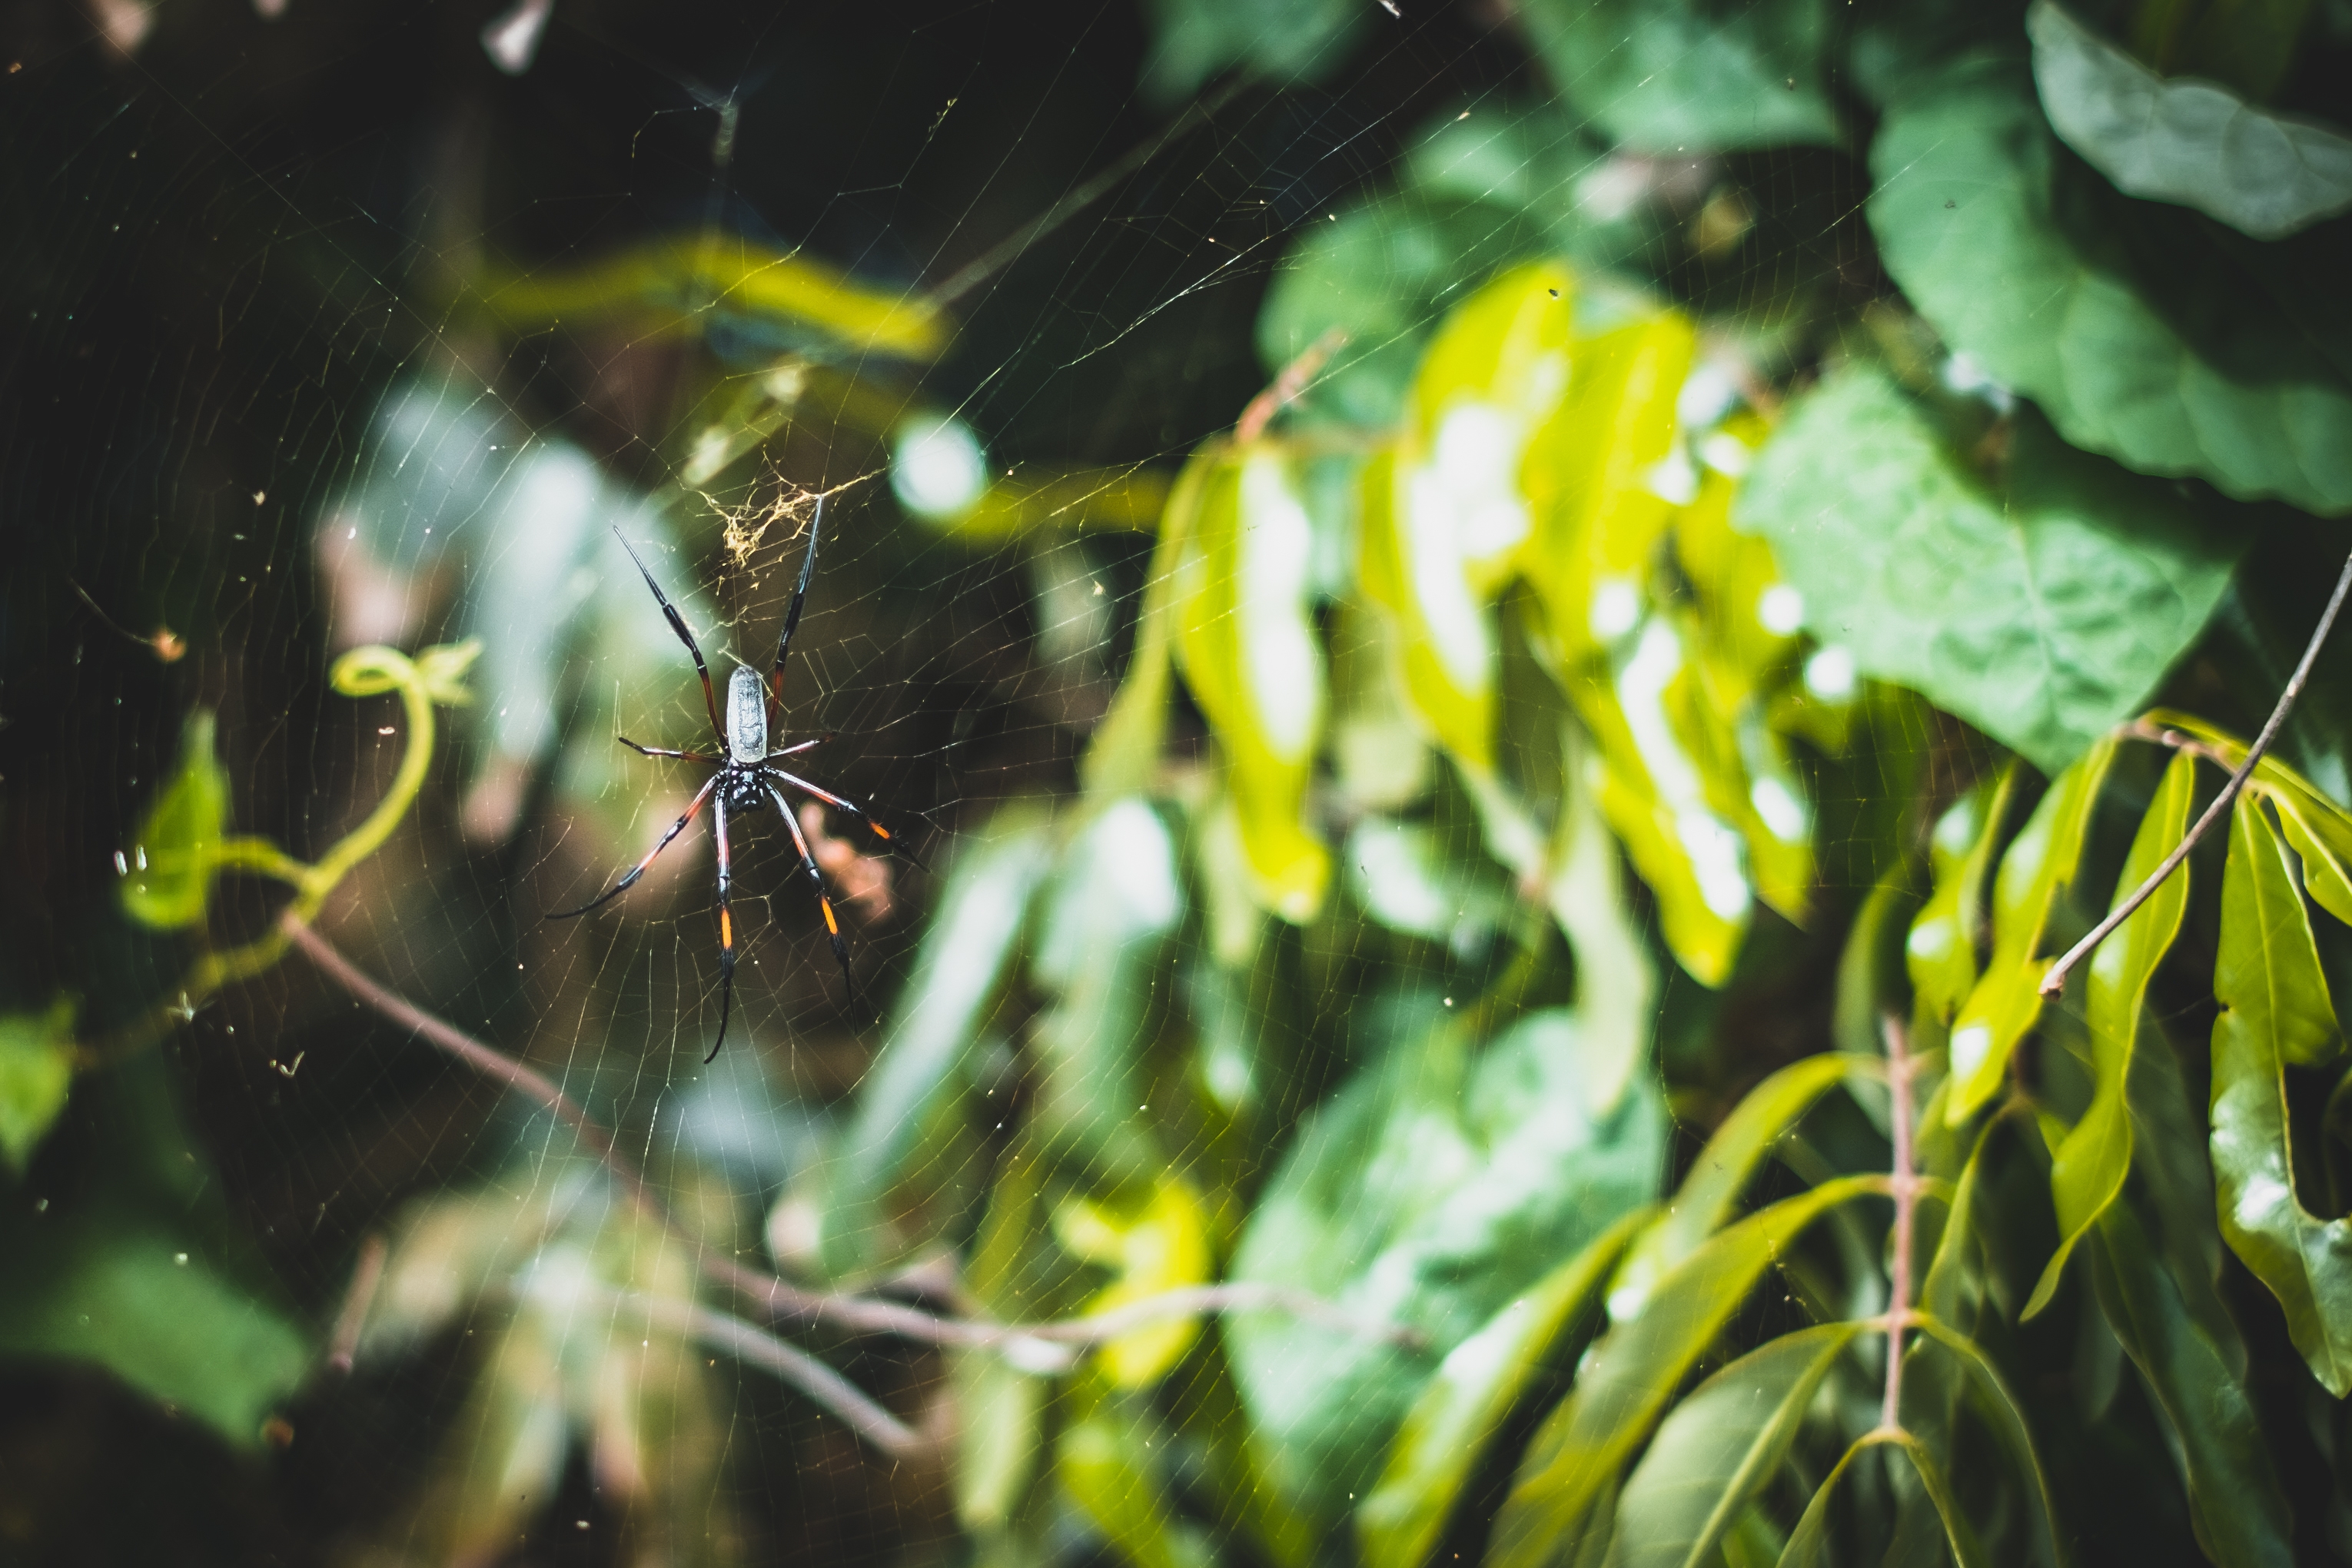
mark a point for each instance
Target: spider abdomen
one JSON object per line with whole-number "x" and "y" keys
{"x": 746, "y": 716}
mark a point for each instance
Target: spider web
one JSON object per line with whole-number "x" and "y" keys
{"x": 261, "y": 394}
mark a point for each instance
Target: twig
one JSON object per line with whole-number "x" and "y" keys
{"x": 1905, "y": 1186}
{"x": 2053, "y": 981}
{"x": 823, "y": 1386}
{"x": 781, "y": 1298}
{"x": 344, "y": 1347}
{"x": 1286, "y": 387}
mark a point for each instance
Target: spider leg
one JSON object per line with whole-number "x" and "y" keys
{"x": 797, "y": 747}
{"x": 677, "y": 625}
{"x": 816, "y": 880}
{"x": 863, "y": 818}
{"x": 625, "y": 883}
{"x": 659, "y": 751}
{"x": 792, "y": 617}
{"x": 726, "y": 931}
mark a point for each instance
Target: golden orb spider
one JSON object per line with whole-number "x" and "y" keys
{"x": 744, "y": 781}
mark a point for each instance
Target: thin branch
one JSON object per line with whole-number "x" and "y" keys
{"x": 366, "y": 1276}
{"x": 1905, "y": 1185}
{"x": 1284, "y": 388}
{"x": 780, "y": 1297}
{"x": 2053, "y": 981}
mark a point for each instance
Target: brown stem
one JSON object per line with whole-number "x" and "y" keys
{"x": 1906, "y": 1185}
{"x": 2056, "y": 979}
{"x": 1284, "y": 388}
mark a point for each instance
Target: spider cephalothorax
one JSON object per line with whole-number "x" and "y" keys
{"x": 746, "y": 780}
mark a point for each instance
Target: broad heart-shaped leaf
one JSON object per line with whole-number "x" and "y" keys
{"x": 1252, "y": 660}
{"x": 1438, "y": 1447}
{"x": 1383, "y": 271}
{"x": 1434, "y": 1188}
{"x": 2276, "y": 1010}
{"x": 1721, "y": 1173}
{"x": 2185, "y": 141}
{"x": 177, "y": 846}
{"x": 2129, "y": 325}
{"x": 2005, "y": 1003}
{"x": 2088, "y": 1170}
{"x": 1671, "y": 76}
{"x": 2234, "y": 1500}
{"x": 958, "y": 971}
{"x": 37, "y": 1063}
{"x": 2044, "y": 613}
{"x": 1632, "y": 1374}
{"x": 1719, "y": 1448}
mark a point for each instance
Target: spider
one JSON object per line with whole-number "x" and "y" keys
{"x": 744, "y": 781}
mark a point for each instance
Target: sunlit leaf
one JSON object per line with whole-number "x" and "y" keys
{"x": 1105, "y": 1464}
{"x": 37, "y": 1063}
{"x": 1616, "y": 976}
{"x": 1629, "y": 1377}
{"x": 2235, "y": 1499}
{"x": 1681, "y": 77}
{"x": 2185, "y": 139}
{"x": 1942, "y": 950}
{"x": 2275, "y": 1011}
{"x": 1435, "y": 1188}
{"x": 2005, "y": 1003}
{"x": 1722, "y": 1171}
{"x": 2088, "y": 1169}
{"x": 176, "y": 847}
{"x": 1253, "y": 660}
{"x": 2138, "y": 333}
{"x": 1162, "y": 1248}
{"x": 1720, "y": 1447}
{"x": 1409, "y": 879}
{"x": 1439, "y": 1442}
{"x": 958, "y": 971}
{"x": 2044, "y": 610}
{"x": 1000, "y": 1436}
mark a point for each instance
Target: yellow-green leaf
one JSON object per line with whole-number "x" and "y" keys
{"x": 2088, "y": 1170}
{"x": 1941, "y": 951}
{"x": 2005, "y": 1003}
{"x": 178, "y": 846}
{"x": 36, "y": 1061}
{"x": 2274, "y": 1010}
{"x": 1253, "y": 660}
{"x": 1410, "y": 563}
{"x": 1105, "y": 1462}
{"x": 1164, "y": 1247}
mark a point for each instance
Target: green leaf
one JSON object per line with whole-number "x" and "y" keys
{"x": 1281, "y": 40}
{"x": 178, "y": 844}
{"x": 139, "y": 1271}
{"x": 2324, "y": 874}
{"x": 1435, "y": 1188}
{"x": 1941, "y": 949}
{"x": 1673, "y": 76}
{"x": 1253, "y": 660}
{"x": 958, "y": 972}
{"x": 1719, "y": 1449}
{"x": 1105, "y": 1464}
{"x": 37, "y": 1063}
{"x": 2088, "y": 1170}
{"x": 2044, "y": 611}
{"x": 2185, "y": 141}
{"x": 2276, "y": 1010}
{"x": 1722, "y": 1171}
{"x": 2001, "y": 1410}
{"x": 2234, "y": 1499}
{"x": 2006, "y": 1002}
{"x": 1000, "y": 1434}
{"x": 1438, "y": 1445}
{"x": 1409, "y": 879}
{"x": 1382, "y": 272}
{"x": 1629, "y": 1377}
{"x": 2137, "y": 334}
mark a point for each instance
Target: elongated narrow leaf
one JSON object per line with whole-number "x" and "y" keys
{"x": 2234, "y": 1499}
{"x": 2276, "y": 1010}
{"x": 37, "y": 1063}
{"x": 175, "y": 851}
{"x": 1941, "y": 951}
{"x": 1722, "y": 1171}
{"x": 2141, "y": 335}
{"x": 1439, "y": 1445}
{"x": 1999, "y": 1409}
{"x": 2186, "y": 141}
{"x": 1629, "y": 1377}
{"x": 2007, "y": 1001}
{"x": 1720, "y": 1447}
{"x": 1253, "y": 660}
{"x": 1105, "y": 1464}
{"x": 2089, "y": 1167}
{"x": 1809, "y": 1542}
{"x": 2326, "y": 875}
